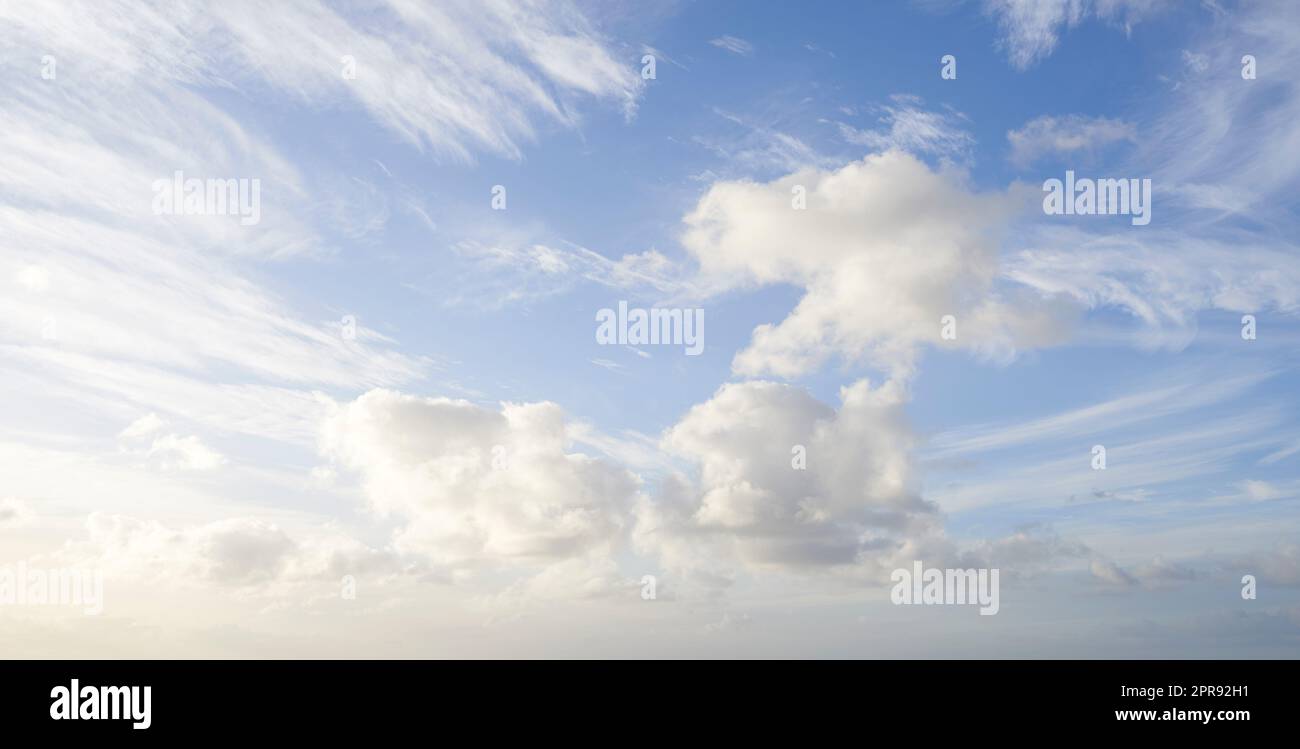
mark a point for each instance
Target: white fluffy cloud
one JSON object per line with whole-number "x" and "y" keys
{"x": 854, "y": 505}
{"x": 473, "y": 484}
{"x": 884, "y": 250}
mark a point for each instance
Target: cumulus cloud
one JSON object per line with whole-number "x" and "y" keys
{"x": 748, "y": 504}
{"x": 884, "y": 250}
{"x": 780, "y": 482}
{"x": 478, "y": 485}
{"x": 1070, "y": 135}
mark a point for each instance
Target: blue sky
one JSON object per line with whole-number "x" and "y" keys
{"x": 200, "y": 421}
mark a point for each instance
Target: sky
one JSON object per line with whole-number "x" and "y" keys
{"x": 375, "y": 416}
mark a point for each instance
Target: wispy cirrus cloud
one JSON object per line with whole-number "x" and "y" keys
{"x": 1032, "y": 28}
{"x": 906, "y": 125}
{"x": 455, "y": 78}
{"x": 734, "y": 45}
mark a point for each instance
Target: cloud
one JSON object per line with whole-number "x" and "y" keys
{"x": 818, "y": 49}
{"x": 1216, "y": 139}
{"x": 759, "y": 147}
{"x": 905, "y": 126}
{"x": 582, "y": 578}
{"x": 172, "y": 452}
{"x": 885, "y": 249}
{"x": 734, "y": 45}
{"x": 455, "y": 77}
{"x": 33, "y": 278}
{"x": 122, "y": 310}
{"x": 1163, "y": 277}
{"x": 1195, "y": 61}
{"x": 1110, "y": 573}
{"x": 206, "y": 328}
{"x": 1031, "y": 28}
{"x": 1223, "y": 219}
{"x": 240, "y": 552}
{"x": 1260, "y": 491}
{"x": 747, "y": 504}
{"x": 143, "y": 427}
{"x": 160, "y": 314}
{"x": 1066, "y": 136}
{"x": 509, "y": 270}
{"x": 1030, "y": 549}
{"x": 1184, "y": 394}
{"x": 1157, "y": 573}
{"x": 1161, "y": 572}
{"x": 1177, "y": 438}
{"x": 473, "y": 485}
{"x": 1279, "y": 566}
{"x": 729, "y": 623}
{"x": 14, "y": 513}
{"x": 781, "y": 483}
{"x": 185, "y": 453}
{"x": 1281, "y": 453}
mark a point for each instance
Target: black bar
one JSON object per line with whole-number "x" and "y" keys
{"x": 498, "y": 700}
